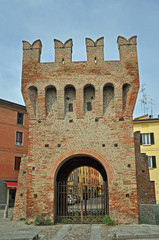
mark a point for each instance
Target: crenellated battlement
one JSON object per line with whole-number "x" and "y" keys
{"x": 127, "y": 48}
{"x": 31, "y": 52}
{"x": 95, "y": 50}
{"x": 109, "y": 87}
{"x": 63, "y": 51}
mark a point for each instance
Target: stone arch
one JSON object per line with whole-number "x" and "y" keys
{"x": 70, "y": 99}
{"x": 89, "y": 98}
{"x": 108, "y": 98}
{"x": 50, "y": 98}
{"x": 72, "y": 160}
{"x": 125, "y": 92}
{"x": 92, "y": 154}
{"x": 33, "y": 95}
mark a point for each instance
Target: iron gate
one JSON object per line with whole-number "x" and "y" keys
{"x": 83, "y": 203}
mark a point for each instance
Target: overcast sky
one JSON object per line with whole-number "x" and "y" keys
{"x": 77, "y": 19}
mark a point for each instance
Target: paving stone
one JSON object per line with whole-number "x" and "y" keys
{"x": 95, "y": 232}
{"x": 18, "y": 230}
{"x": 62, "y": 232}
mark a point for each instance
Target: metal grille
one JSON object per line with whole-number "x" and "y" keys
{"x": 83, "y": 203}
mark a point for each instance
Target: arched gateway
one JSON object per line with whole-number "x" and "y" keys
{"x": 92, "y": 198}
{"x": 80, "y": 114}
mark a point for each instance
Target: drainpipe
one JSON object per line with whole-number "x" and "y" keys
{"x": 7, "y": 206}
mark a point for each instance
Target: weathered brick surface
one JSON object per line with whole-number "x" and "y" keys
{"x": 20, "y": 208}
{"x": 112, "y": 88}
{"x": 144, "y": 188}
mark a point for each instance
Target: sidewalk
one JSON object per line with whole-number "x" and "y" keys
{"x": 18, "y": 230}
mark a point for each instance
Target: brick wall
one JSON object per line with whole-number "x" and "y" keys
{"x": 144, "y": 186}
{"x": 104, "y": 134}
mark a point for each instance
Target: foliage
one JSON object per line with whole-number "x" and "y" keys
{"x": 65, "y": 220}
{"x": 108, "y": 221}
{"x": 41, "y": 220}
{"x": 76, "y": 218}
{"x": 72, "y": 219}
{"x": 98, "y": 220}
{"x": 91, "y": 219}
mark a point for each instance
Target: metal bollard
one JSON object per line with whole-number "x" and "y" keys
{"x": 6, "y": 211}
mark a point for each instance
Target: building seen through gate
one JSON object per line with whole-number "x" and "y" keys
{"x": 85, "y": 197}
{"x": 80, "y": 114}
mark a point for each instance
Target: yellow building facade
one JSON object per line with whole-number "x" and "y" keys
{"x": 149, "y": 141}
{"x": 85, "y": 175}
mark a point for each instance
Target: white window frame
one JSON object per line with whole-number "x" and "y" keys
{"x": 150, "y": 163}
{"x": 17, "y": 143}
{"x": 146, "y": 139}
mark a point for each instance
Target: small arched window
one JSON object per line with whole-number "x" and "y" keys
{"x": 50, "y": 98}
{"x": 89, "y": 97}
{"x": 108, "y": 99}
{"x": 70, "y": 99}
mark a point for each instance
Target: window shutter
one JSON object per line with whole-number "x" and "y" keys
{"x": 17, "y": 163}
{"x": 140, "y": 139}
{"x": 154, "y": 161}
{"x": 152, "y": 138}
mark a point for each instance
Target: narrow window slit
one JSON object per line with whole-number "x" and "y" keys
{"x": 70, "y": 107}
{"x": 89, "y": 106}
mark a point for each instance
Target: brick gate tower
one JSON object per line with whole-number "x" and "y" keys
{"x": 80, "y": 113}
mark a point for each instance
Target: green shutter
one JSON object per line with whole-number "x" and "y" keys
{"x": 140, "y": 139}
{"x": 154, "y": 161}
{"x": 152, "y": 138}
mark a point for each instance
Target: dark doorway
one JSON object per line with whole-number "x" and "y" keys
{"x": 82, "y": 198}
{"x": 12, "y": 193}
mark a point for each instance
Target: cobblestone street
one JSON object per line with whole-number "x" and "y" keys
{"x": 19, "y": 230}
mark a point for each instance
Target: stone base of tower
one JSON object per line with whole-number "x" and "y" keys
{"x": 20, "y": 207}
{"x": 123, "y": 207}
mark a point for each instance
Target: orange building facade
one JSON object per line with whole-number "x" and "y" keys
{"x": 14, "y": 126}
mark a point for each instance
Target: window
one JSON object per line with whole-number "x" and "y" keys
{"x": 19, "y": 138}
{"x": 147, "y": 138}
{"x": 89, "y": 106}
{"x": 70, "y": 107}
{"x": 17, "y": 163}
{"x": 152, "y": 161}
{"x": 20, "y": 118}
